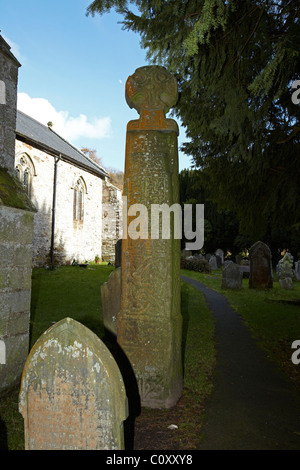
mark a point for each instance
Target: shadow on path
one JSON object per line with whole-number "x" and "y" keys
{"x": 252, "y": 406}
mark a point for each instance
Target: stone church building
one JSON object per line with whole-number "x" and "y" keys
{"x": 62, "y": 208}
{"x": 78, "y": 210}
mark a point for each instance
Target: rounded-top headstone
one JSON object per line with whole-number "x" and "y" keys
{"x": 72, "y": 393}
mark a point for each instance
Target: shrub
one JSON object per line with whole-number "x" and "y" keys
{"x": 195, "y": 264}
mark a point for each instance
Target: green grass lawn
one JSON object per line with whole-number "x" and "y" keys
{"x": 75, "y": 292}
{"x": 68, "y": 291}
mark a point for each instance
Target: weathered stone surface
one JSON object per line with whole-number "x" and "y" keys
{"x": 286, "y": 283}
{"x": 286, "y": 272}
{"x": 219, "y": 252}
{"x": 111, "y": 300}
{"x": 260, "y": 266}
{"x": 8, "y": 105}
{"x": 111, "y": 220}
{"x": 213, "y": 262}
{"x": 149, "y": 324}
{"x": 232, "y": 276}
{"x": 288, "y": 269}
{"x": 72, "y": 393}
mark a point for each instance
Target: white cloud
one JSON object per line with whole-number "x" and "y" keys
{"x": 71, "y": 128}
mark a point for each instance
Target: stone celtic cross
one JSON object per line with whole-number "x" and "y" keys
{"x": 149, "y": 323}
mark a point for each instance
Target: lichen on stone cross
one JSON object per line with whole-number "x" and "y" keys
{"x": 152, "y": 91}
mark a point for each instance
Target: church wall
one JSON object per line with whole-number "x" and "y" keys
{"x": 74, "y": 239}
{"x": 112, "y": 220}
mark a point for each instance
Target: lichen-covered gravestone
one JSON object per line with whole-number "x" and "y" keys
{"x": 260, "y": 266}
{"x": 149, "y": 324}
{"x": 72, "y": 393}
{"x": 286, "y": 272}
{"x": 232, "y": 276}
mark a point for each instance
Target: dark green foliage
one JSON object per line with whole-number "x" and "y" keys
{"x": 235, "y": 63}
{"x": 221, "y": 229}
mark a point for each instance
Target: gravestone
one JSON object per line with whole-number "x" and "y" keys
{"x": 219, "y": 252}
{"x": 111, "y": 300}
{"x": 260, "y": 266}
{"x": 227, "y": 261}
{"x": 232, "y": 276}
{"x": 72, "y": 394}
{"x": 150, "y": 323}
{"x": 286, "y": 256}
{"x": 297, "y": 270}
{"x": 213, "y": 263}
{"x": 286, "y": 272}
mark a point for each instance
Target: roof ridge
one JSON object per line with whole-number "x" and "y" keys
{"x": 64, "y": 140}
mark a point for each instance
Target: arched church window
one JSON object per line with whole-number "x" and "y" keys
{"x": 78, "y": 200}
{"x": 27, "y": 181}
{"x": 24, "y": 172}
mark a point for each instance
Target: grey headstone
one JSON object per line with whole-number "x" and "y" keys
{"x": 286, "y": 272}
{"x": 286, "y": 283}
{"x": 219, "y": 252}
{"x": 213, "y": 262}
{"x": 232, "y": 276}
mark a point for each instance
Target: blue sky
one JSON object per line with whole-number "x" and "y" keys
{"x": 74, "y": 70}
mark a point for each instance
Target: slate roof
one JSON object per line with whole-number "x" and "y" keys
{"x": 36, "y": 134}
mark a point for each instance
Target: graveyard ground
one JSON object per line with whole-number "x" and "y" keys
{"x": 272, "y": 316}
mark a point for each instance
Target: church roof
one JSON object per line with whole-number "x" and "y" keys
{"x": 36, "y": 134}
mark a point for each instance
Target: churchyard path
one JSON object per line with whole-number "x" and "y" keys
{"x": 252, "y": 406}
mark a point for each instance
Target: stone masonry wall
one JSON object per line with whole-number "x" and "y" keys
{"x": 16, "y": 231}
{"x": 79, "y": 240}
{"x": 112, "y": 220}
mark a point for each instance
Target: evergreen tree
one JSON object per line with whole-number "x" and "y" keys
{"x": 235, "y": 62}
